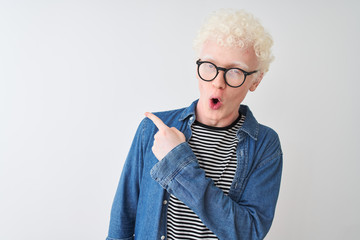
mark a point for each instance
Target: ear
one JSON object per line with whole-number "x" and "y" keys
{"x": 256, "y": 82}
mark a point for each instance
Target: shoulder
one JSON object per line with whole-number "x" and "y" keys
{"x": 267, "y": 133}
{"x": 259, "y": 132}
{"x": 265, "y": 139}
{"x": 268, "y": 145}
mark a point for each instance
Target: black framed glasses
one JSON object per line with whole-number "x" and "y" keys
{"x": 234, "y": 77}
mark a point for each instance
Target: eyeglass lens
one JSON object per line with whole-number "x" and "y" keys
{"x": 208, "y": 72}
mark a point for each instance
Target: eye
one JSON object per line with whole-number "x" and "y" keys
{"x": 209, "y": 65}
{"x": 235, "y": 71}
{"x": 234, "y": 74}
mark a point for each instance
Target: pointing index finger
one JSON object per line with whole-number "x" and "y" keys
{"x": 157, "y": 121}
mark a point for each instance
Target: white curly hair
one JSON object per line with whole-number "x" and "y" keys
{"x": 237, "y": 28}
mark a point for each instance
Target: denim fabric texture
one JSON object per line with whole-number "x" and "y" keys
{"x": 139, "y": 209}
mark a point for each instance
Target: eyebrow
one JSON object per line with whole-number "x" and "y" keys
{"x": 208, "y": 57}
{"x": 241, "y": 64}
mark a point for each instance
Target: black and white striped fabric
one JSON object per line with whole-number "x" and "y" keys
{"x": 215, "y": 149}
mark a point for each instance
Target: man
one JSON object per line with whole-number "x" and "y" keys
{"x": 208, "y": 171}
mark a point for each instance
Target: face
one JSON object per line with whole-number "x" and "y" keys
{"x": 219, "y": 103}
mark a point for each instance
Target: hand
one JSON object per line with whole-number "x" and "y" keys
{"x": 166, "y": 138}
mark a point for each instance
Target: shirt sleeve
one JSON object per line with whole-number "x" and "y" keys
{"x": 124, "y": 207}
{"x": 249, "y": 218}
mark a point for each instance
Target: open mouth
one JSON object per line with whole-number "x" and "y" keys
{"x": 215, "y": 100}
{"x": 215, "y": 103}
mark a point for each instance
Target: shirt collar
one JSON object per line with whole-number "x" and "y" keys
{"x": 250, "y": 126}
{"x": 189, "y": 111}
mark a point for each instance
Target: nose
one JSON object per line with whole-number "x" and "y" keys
{"x": 219, "y": 81}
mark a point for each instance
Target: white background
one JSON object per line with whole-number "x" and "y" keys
{"x": 77, "y": 76}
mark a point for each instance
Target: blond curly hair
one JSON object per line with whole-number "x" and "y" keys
{"x": 237, "y": 28}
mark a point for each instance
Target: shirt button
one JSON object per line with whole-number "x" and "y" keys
{"x": 191, "y": 118}
{"x": 162, "y": 237}
{"x": 164, "y": 202}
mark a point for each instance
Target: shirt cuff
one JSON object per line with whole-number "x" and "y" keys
{"x": 178, "y": 158}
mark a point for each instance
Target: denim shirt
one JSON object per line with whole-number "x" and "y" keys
{"x": 139, "y": 210}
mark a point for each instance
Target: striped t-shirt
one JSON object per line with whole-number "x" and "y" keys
{"x": 215, "y": 149}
